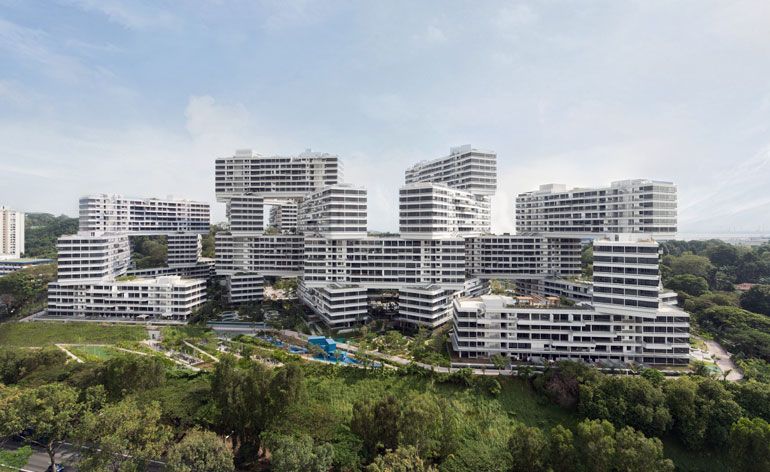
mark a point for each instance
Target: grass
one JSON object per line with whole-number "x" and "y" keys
{"x": 692, "y": 461}
{"x": 39, "y": 334}
{"x": 94, "y": 353}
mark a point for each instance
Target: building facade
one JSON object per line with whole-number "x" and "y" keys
{"x": 11, "y": 233}
{"x": 625, "y": 207}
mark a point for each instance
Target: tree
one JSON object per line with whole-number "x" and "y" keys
{"x": 377, "y": 423}
{"x": 421, "y": 425}
{"x": 529, "y": 448}
{"x": 500, "y": 362}
{"x": 596, "y": 445}
{"x": 750, "y": 445}
{"x": 24, "y": 291}
{"x": 757, "y": 299}
{"x": 561, "y": 449}
{"x": 294, "y": 453}
{"x": 127, "y": 374}
{"x": 403, "y": 459}
{"x": 49, "y": 414}
{"x": 200, "y": 450}
{"x": 689, "y": 263}
{"x": 123, "y": 436}
{"x": 636, "y": 453}
{"x": 690, "y": 284}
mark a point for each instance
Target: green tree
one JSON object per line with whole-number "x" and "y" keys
{"x": 529, "y": 448}
{"x": 295, "y": 453}
{"x": 403, "y": 459}
{"x": 377, "y": 424}
{"x": 750, "y": 445}
{"x": 123, "y": 437}
{"x": 421, "y": 425}
{"x": 42, "y": 230}
{"x": 128, "y": 374}
{"x": 198, "y": 451}
{"x": 23, "y": 292}
{"x": 596, "y": 445}
{"x": 636, "y": 453}
{"x": 499, "y": 361}
{"x": 689, "y": 284}
{"x": 689, "y": 263}
{"x": 757, "y": 299}
{"x": 50, "y": 413}
{"x": 561, "y": 449}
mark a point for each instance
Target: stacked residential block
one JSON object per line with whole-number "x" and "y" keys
{"x": 94, "y": 278}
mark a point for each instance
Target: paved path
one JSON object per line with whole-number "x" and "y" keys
{"x": 724, "y": 361}
{"x": 69, "y": 354}
{"x": 201, "y": 351}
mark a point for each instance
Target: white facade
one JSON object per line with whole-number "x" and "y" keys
{"x": 432, "y": 210}
{"x": 92, "y": 256}
{"x": 341, "y": 307}
{"x": 525, "y": 331}
{"x": 283, "y": 216}
{"x": 245, "y": 287}
{"x": 465, "y": 168}
{"x": 627, "y": 206}
{"x": 522, "y": 256}
{"x": 142, "y": 216}
{"x": 275, "y": 176}
{"x": 184, "y": 249}
{"x": 246, "y": 214}
{"x": 11, "y": 233}
{"x": 270, "y": 255}
{"x": 166, "y": 298}
{"x": 384, "y": 262}
{"x": 336, "y": 211}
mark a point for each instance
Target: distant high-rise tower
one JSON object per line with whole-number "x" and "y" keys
{"x": 11, "y": 233}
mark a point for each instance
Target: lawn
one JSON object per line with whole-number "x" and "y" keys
{"x": 94, "y": 353}
{"x": 39, "y": 334}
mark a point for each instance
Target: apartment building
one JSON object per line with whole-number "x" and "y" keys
{"x": 142, "y": 216}
{"x": 465, "y": 168}
{"x": 92, "y": 256}
{"x": 170, "y": 298}
{"x": 625, "y": 207}
{"x": 514, "y": 257}
{"x": 337, "y": 211}
{"x": 431, "y": 210}
{"x": 276, "y": 255}
{"x": 283, "y": 215}
{"x": 278, "y": 177}
{"x": 11, "y": 233}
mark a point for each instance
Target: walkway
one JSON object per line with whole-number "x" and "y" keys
{"x": 724, "y": 361}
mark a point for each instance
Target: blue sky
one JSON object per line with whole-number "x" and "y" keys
{"x": 139, "y": 98}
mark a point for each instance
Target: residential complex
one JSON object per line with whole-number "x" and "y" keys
{"x": 626, "y": 206}
{"x": 95, "y": 278}
{"x": 433, "y": 272}
{"x": 11, "y": 233}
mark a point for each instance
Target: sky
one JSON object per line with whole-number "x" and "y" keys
{"x": 139, "y": 97}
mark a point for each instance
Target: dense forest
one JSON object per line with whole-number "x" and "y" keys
{"x": 243, "y": 415}
{"x": 42, "y": 230}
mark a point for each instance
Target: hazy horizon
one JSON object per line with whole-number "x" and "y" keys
{"x": 139, "y": 98}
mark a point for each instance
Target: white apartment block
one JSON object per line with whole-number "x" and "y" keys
{"x": 184, "y": 249}
{"x": 433, "y": 210}
{"x": 161, "y": 298}
{"x": 341, "y": 307}
{"x": 92, "y": 256}
{"x": 384, "y": 262}
{"x": 278, "y": 255}
{"x": 11, "y": 233}
{"x": 245, "y": 287}
{"x": 429, "y": 306}
{"x": 337, "y": 211}
{"x": 465, "y": 168}
{"x": 246, "y": 214}
{"x": 283, "y": 215}
{"x": 545, "y": 331}
{"x": 142, "y": 216}
{"x": 627, "y": 206}
{"x": 275, "y": 176}
{"x": 522, "y": 256}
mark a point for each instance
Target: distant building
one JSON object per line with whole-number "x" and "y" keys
{"x": 11, "y": 233}
{"x": 12, "y": 265}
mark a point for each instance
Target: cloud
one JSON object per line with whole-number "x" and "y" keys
{"x": 133, "y": 15}
{"x": 433, "y": 35}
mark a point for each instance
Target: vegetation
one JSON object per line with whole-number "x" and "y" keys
{"x": 149, "y": 251}
{"x": 39, "y": 334}
{"x": 41, "y": 230}
{"x": 24, "y": 292}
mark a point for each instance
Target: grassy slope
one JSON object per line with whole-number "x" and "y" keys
{"x": 37, "y": 334}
